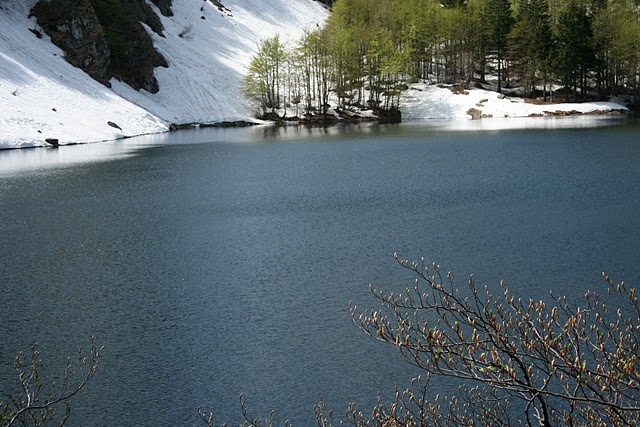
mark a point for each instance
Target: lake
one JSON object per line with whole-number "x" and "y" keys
{"x": 212, "y": 262}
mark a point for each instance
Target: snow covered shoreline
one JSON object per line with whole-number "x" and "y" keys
{"x": 43, "y": 97}
{"x": 435, "y": 102}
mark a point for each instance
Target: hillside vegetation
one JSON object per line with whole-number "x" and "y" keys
{"x": 369, "y": 50}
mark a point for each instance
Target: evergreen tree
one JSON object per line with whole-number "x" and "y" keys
{"x": 574, "y": 53}
{"x": 530, "y": 44}
{"x": 497, "y": 21}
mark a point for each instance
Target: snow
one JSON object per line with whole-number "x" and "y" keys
{"x": 42, "y": 96}
{"x": 207, "y": 65}
{"x": 433, "y": 102}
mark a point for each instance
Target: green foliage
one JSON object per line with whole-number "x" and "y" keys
{"x": 531, "y": 44}
{"x": 111, "y": 14}
{"x": 616, "y": 31}
{"x": 496, "y": 21}
{"x": 574, "y": 54}
{"x": 263, "y": 82}
{"x": 371, "y": 48}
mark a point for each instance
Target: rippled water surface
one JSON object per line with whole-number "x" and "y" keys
{"x": 213, "y": 262}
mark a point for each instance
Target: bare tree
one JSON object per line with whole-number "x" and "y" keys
{"x": 561, "y": 364}
{"x": 249, "y": 421}
{"x": 516, "y": 361}
{"x": 35, "y": 404}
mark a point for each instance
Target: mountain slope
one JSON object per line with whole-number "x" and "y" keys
{"x": 208, "y": 48}
{"x": 207, "y": 64}
{"x": 42, "y": 96}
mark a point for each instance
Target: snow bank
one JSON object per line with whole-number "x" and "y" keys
{"x": 42, "y": 96}
{"x": 432, "y": 102}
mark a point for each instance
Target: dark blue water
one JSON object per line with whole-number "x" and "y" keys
{"x": 215, "y": 262}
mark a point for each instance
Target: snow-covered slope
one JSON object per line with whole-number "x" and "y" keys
{"x": 207, "y": 64}
{"x": 42, "y": 96}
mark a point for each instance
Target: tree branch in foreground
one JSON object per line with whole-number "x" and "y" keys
{"x": 562, "y": 364}
{"x": 36, "y": 405}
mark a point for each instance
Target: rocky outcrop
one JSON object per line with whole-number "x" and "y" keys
{"x": 105, "y": 38}
{"x": 612, "y": 112}
{"x": 477, "y": 114}
{"x": 220, "y": 6}
{"x": 474, "y": 113}
{"x": 164, "y": 6}
{"x": 74, "y": 27}
{"x": 144, "y": 13}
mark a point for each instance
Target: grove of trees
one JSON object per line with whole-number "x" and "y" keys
{"x": 369, "y": 50}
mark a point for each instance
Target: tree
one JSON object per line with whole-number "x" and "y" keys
{"x": 348, "y": 65}
{"x": 497, "y": 22}
{"x": 36, "y": 405}
{"x": 616, "y": 31}
{"x": 531, "y": 43}
{"x": 264, "y": 80}
{"x": 315, "y": 61}
{"x": 574, "y": 53}
{"x": 517, "y": 361}
{"x": 562, "y": 364}
{"x": 414, "y": 33}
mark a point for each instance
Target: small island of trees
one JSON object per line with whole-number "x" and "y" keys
{"x": 369, "y": 51}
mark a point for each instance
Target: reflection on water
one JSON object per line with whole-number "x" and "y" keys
{"x": 12, "y": 161}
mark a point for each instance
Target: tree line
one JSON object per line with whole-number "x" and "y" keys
{"x": 369, "y": 50}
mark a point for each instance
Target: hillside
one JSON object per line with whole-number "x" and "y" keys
{"x": 207, "y": 48}
{"x": 43, "y": 96}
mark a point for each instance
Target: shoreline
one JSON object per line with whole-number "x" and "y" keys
{"x": 472, "y": 114}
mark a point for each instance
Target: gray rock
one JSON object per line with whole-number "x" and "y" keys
{"x": 113, "y": 125}
{"x": 474, "y": 113}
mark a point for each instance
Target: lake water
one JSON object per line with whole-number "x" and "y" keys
{"x": 219, "y": 261}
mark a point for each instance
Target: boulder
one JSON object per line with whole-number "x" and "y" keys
{"x": 113, "y": 125}
{"x": 474, "y": 113}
